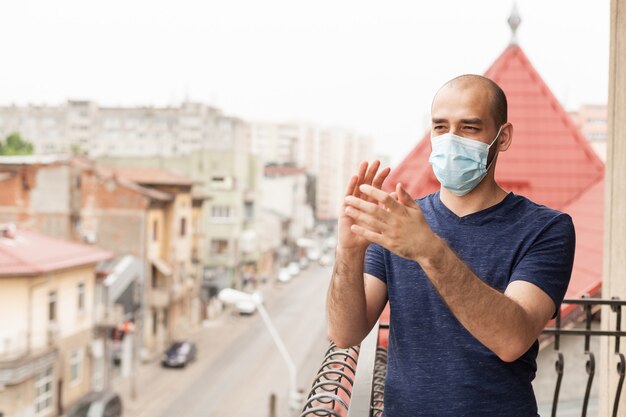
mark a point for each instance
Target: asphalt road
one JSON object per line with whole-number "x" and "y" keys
{"x": 239, "y": 366}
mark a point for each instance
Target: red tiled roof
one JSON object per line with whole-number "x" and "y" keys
{"x": 31, "y": 253}
{"x": 587, "y": 212}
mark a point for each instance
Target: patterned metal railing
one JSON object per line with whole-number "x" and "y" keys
{"x": 587, "y": 307}
{"x": 332, "y": 387}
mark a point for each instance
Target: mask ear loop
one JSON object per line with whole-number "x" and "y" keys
{"x": 491, "y": 144}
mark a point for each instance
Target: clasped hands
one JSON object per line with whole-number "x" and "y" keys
{"x": 392, "y": 220}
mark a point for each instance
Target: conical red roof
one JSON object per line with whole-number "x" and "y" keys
{"x": 549, "y": 161}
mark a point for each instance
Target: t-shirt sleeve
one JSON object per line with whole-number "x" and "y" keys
{"x": 548, "y": 263}
{"x": 375, "y": 262}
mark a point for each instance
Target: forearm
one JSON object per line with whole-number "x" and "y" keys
{"x": 346, "y": 305}
{"x": 496, "y": 320}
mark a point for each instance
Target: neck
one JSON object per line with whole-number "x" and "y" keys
{"x": 486, "y": 194}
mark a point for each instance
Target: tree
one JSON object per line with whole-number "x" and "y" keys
{"x": 15, "y": 145}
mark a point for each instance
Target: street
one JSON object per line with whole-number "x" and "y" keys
{"x": 238, "y": 366}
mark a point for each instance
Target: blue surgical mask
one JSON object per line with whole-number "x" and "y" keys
{"x": 460, "y": 164}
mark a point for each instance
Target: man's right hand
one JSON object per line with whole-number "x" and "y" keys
{"x": 347, "y": 240}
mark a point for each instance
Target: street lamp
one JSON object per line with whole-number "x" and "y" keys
{"x": 232, "y": 297}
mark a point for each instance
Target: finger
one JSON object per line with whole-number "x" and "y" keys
{"x": 369, "y": 175}
{"x": 381, "y": 177}
{"x": 351, "y": 185}
{"x": 366, "y": 220}
{"x": 361, "y": 175}
{"x": 403, "y": 196}
{"x": 380, "y": 196}
{"x": 371, "y": 172}
{"x": 367, "y": 234}
{"x": 365, "y": 206}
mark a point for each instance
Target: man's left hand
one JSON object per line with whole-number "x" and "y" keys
{"x": 396, "y": 223}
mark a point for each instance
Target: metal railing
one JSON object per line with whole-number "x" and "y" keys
{"x": 332, "y": 387}
{"x": 343, "y": 386}
{"x": 587, "y": 308}
{"x": 351, "y": 381}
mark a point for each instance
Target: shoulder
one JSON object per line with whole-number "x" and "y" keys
{"x": 540, "y": 216}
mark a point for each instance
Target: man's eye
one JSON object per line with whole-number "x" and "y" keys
{"x": 438, "y": 127}
{"x": 471, "y": 128}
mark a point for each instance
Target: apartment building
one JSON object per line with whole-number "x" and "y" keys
{"x": 330, "y": 154}
{"x": 230, "y": 181}
{"x": 87, "y": 128}
{"x": 147, "y": 213}
{"x": 285, "y": 197}
{"x": 49, "y": 357}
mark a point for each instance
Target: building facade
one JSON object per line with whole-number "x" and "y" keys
{"x": 230, "y": 181}
{"x": 49, "y": 356}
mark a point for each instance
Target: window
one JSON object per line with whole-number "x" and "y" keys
{"x": 183, "y": 226}
{"x": 155, "y": 230}
{"x": 219, "y": 246}
{"x": 155, "y": 323}
{"x": 221, "y": 212}
{"x": 81, "y": 297}
{"x": 249, "y": 210}
{"x": 52, "y": 306}
{"x": 76, "y": 365}
{"x": 154, "y": 278}
{"x": 222, "y": 183}
{"x": 44, "y": 392}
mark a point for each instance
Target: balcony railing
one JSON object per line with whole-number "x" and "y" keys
{"x": 351, "y": 381}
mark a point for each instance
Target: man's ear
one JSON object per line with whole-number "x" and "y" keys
{"x": 506, "y": 137}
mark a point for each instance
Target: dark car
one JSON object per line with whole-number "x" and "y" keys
{"x": 97, "y": 404}
{"x": 179, "y": 354}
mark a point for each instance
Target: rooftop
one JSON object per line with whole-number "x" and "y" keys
{"x": 149, "y": 176}
{"x": 26, "y": 253}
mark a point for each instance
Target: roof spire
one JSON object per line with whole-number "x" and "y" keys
{"x": 514, "y": 22}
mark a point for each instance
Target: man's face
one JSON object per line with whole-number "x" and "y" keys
{"x": 463, "y": 108}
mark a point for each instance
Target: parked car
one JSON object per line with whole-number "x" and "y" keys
{"x": 245, "y": 307}
{"x": 314, "y": 254}
{"x": 179, "y": 354}
{"x": 97, "y": 404}
{"x": 294, "y": 268}
{"x": 284, "y": 275}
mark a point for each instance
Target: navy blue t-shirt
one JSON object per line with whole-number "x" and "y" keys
{"x": 435, "y": 366}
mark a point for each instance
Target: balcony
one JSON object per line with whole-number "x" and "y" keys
{"x": 351, "y": 381}
{"x": 108, "y": 315}
{"x": 19, "y": 369}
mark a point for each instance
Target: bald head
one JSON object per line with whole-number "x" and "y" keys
{"x": 483, "y": 85}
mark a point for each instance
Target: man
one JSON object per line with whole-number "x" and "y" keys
{"x": 472, "y": 273}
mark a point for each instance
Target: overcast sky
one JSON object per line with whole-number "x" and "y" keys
{"x": 369, "y": 65}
